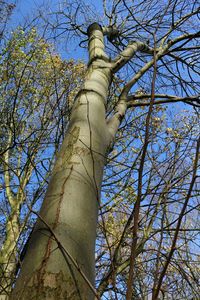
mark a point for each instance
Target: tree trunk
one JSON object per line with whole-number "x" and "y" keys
{"x": 70, "y": 207}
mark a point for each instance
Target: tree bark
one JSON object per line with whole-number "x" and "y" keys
{"x": 70, "y": 206}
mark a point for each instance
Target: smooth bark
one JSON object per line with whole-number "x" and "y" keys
{"x": 70, "y": 206}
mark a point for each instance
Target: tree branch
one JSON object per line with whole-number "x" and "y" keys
{"x": 173, "y": 246}
{"x": 128, "y": 53}
{"x": 133, "y": 100}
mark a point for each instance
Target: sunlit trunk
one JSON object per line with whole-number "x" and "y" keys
{"x": 70, "y": 207}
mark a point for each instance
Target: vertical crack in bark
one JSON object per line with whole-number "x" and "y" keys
{"x": 60, "y": 200}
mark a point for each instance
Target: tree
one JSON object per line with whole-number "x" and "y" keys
{"x": 34, "y": 83}
{"x": 63, "y": 239}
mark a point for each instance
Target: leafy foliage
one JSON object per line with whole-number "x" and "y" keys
{"x": 36, "y": 94}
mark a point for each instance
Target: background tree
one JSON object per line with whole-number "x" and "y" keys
{"x": 147, "y": 230}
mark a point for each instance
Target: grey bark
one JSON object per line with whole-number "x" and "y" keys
{"x": 70, "y": 206}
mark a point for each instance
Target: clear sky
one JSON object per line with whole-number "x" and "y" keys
{"x": 26, "y": 9}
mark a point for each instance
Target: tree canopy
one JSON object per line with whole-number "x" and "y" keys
{"x": 147, "y": 243}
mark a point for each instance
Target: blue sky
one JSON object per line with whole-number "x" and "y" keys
{"x": 25, "y": 11}
{"x": 23, "y": 8}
